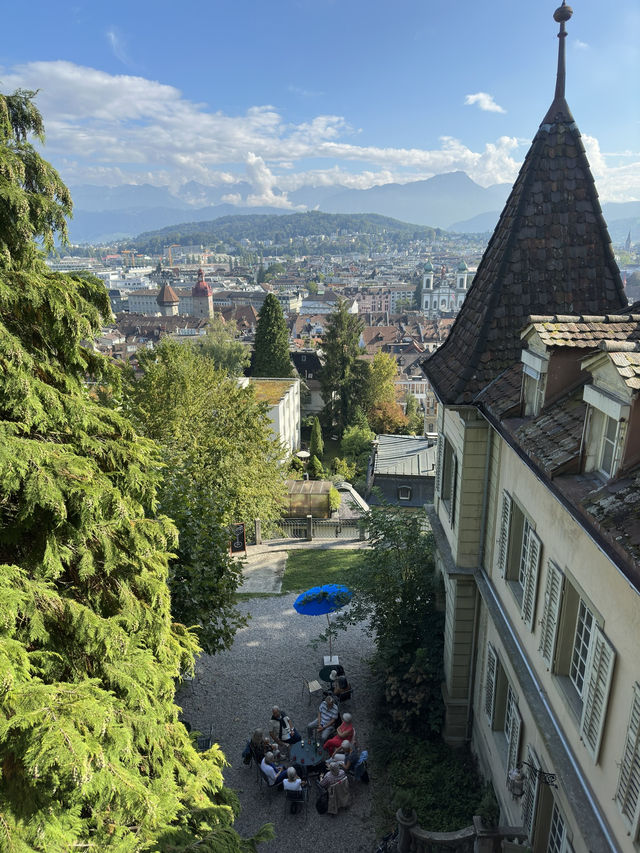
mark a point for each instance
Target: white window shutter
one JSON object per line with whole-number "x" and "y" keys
{"x": 628, "y": 790}
{"x": 530, "y": 798}
{"x": 490, "y": 683}
{"x": 596, "y": 695}
{"x": 514, "y": 739}
{"x": 452, "y": 490}
{"x": 505, "y": 525}
{"x": 553, "y": 591}
{"x": 534, "y": 552}
{"x": 440, "y": 463}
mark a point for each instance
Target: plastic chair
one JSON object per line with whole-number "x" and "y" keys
{"x": 301, "y": 796}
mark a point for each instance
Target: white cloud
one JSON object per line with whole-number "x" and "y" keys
{"x": 113, "y": 129}
{"x": 116, "y": 41}
{"x": 484, "y": 101}
{"x": 580, "y": 45}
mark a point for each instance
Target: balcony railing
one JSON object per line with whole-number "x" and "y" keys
{"x": 472, "y": 839}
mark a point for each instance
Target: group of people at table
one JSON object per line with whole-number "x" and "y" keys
{"x": 331, "y": 735}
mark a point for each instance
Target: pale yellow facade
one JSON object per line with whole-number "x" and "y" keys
{"x": 496, "y": 621}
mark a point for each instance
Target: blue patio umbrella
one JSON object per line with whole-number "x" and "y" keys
{"x": 323, "y": 600}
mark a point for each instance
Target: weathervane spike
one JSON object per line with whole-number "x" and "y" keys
{"x": 559, "y": 105}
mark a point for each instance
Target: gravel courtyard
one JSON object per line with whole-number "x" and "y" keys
{"x": 233, "y": 693}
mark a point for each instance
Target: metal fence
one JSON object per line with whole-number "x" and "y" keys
{"x": 308, "y": 528}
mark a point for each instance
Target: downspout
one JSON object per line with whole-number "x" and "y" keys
{"x": 476, "y": 613}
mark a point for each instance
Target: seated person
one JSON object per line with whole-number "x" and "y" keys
{"x": 282, "y": 728}
{"x": 336, "y": 774}
{"x": 352, "y": 759}
{"x": 339, "y": 684}
{"x": 345, "y": 731}
{"x": 275, "y": 773}
{"x": 262, "y": 744}
{"x": 324, "y": 724}
{"x": 342, "y": 753}
{"x": 294, "y": 783}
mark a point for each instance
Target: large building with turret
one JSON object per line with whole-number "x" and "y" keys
{"x": 536, "y": 514}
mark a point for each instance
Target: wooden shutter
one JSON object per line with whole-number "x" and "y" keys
{"x": 505, "y": 526}
{"x": 490, "y": 683}
{"x": 440, "y": 463}
{"x": 514, "y": 738}
{"x": 452, "y": 488}
{"x": 596, "y": 694}
{"x": 628, "y": 791}
{"x": 552, "y": 600}
{"x": 529, "y": 594}
{"x": 530, "y": 798}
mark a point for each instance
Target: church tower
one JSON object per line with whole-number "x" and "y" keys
{"x": 202, "y": 299}
{"x": 168, "y": 301}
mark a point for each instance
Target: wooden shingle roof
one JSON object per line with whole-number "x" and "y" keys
{"x": 549, "y": 254}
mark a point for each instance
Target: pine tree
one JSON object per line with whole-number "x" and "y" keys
{"x": 92, "y": 752}
{"x": 271, "y": 353}
{"x": 316, "y": 445}
{"x": 343, "y": 375}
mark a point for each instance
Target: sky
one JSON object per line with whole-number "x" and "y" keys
{"x": 287, "y": 93}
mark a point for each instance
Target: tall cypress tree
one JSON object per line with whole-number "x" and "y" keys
{"x": 271, "y": 353}
{"x": 343, "y": 376}
{"x": 92, "y": 753}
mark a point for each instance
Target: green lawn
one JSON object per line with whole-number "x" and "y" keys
{"x": 308, "y": 567}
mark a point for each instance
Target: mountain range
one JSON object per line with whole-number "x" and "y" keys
{"x": 451, "y": 201}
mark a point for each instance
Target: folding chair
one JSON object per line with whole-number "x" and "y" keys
{"x": 204, "y": 742}
{"x": 298, "y": 797}
{"x": 310, "y": 688}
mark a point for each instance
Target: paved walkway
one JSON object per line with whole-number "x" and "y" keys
{"x": 265, "y": 564}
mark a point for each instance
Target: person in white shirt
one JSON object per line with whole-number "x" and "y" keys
{"x": 275, "y": 773}
{"x": 294, "y": 783}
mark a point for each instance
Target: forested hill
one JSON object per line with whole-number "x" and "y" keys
{"x": 279, "y": 228}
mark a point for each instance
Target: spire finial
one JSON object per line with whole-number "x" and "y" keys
{"x": 559, "y": 105}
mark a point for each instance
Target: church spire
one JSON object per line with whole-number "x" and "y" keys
{"x": 559, "y": 106}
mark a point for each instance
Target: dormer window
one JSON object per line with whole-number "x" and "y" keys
{"x": 534, "y": 383}
{"x": 608, "y": 416}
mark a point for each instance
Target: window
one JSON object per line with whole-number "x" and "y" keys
{"x": 447, "y": 476}
{"x": 608, "y": 446}
{"x": 558, "y": 840}
{"x": 501, "y": 707}
{"x": 575, "y": 647}
{"x": 519, "y": 551}
{"x": 628, "y": 791}
{"x": 404, "y": 493}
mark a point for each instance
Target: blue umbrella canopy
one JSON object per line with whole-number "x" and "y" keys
{"x": 322, "y": 599}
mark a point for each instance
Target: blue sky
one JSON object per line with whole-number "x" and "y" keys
{"x": 285, "y": 93}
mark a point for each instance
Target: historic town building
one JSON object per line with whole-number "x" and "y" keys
{"x": 537, "y": 508}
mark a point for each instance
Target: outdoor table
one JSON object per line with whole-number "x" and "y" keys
{"x": 307, "y": 756}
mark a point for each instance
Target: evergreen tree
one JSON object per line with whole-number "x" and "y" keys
{"x": 222, "y": 466}
{"x": 342, "y": 377}
{"x": 271, "y": 353}
{"x": 316, "y": 445}
{"x": 92, "y": 752}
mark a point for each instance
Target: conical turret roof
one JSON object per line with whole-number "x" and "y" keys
{"x": 549, "y": 254}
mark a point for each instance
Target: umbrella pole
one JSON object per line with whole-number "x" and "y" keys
{"x": 329, "y": 626}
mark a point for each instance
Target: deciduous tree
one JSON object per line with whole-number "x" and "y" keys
{"x": 92, "y": 751}
{"x": 222, "y": 466}
{"x": 221, "y": 346}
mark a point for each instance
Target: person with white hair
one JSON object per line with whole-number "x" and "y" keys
{"x": 324, "y": 723}
{"x": 275, "y": 773}
{"x": 282, "y": 728}
{"x": 345, "y": 731}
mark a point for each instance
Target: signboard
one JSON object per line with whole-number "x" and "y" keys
{"x": 238, "y": 540}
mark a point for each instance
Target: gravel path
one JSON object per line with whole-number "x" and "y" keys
{"x": 233, "y": 693}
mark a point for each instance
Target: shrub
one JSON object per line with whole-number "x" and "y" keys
{"x": 335, "y": 499}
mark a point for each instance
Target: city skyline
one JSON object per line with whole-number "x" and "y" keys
{"x": 261, "y": 100}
